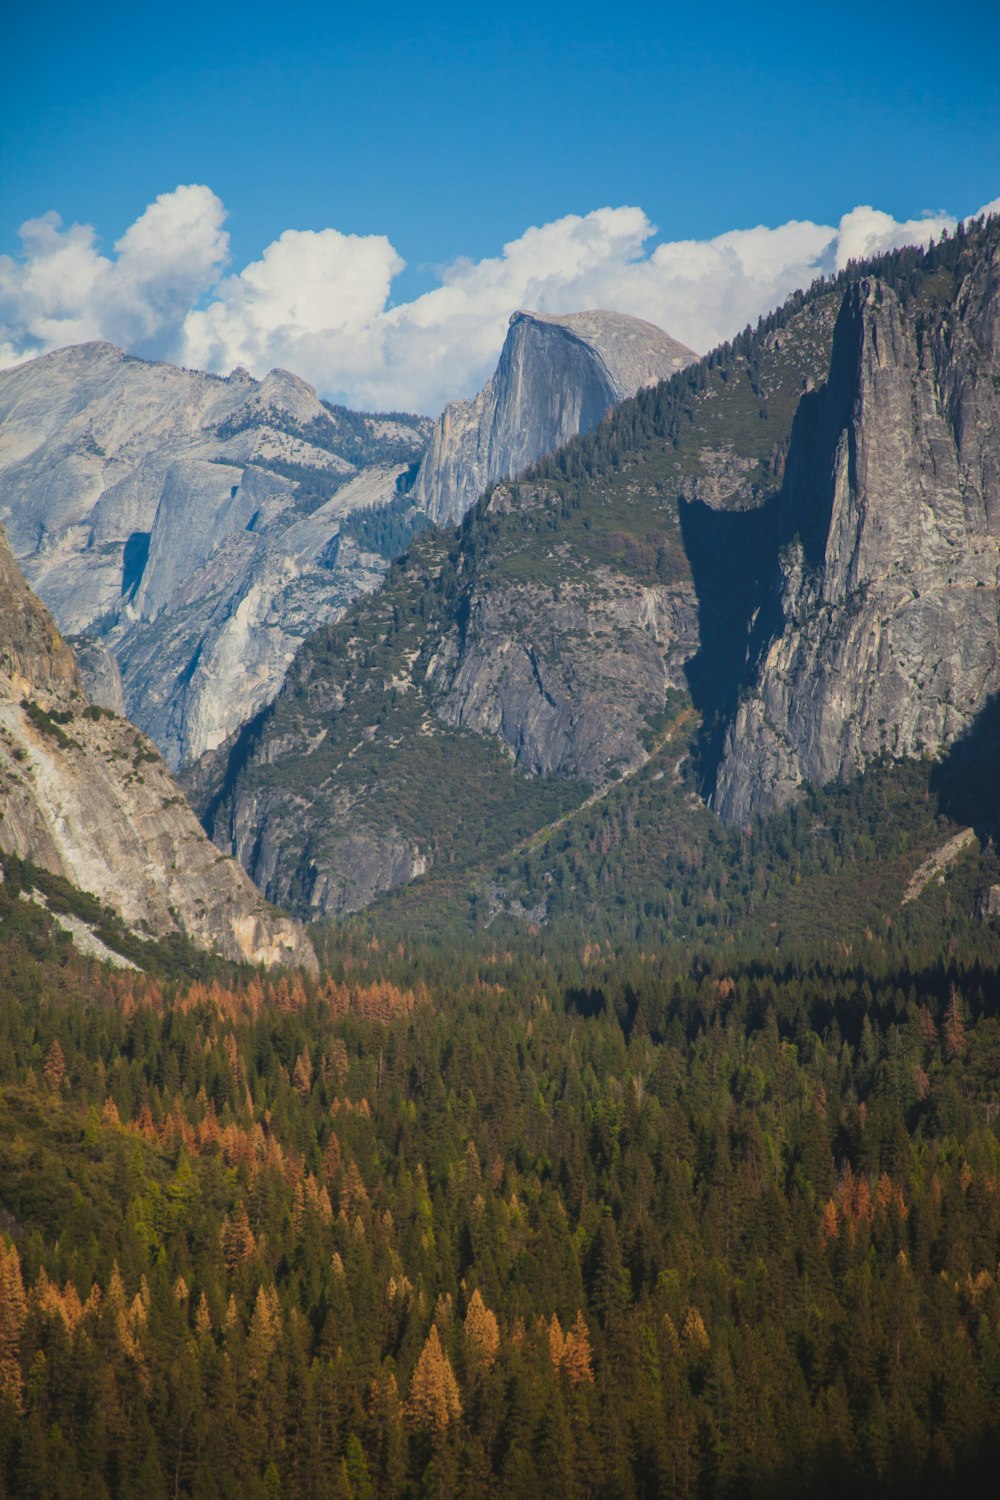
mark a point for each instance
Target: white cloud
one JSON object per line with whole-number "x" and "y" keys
{"x": 318, "y": 302}
{"x": 309, "y": 293}
{"x": 63, "y": 291}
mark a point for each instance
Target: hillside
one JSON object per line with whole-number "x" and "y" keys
{"x": 479, "y": 1222}
{"x": 86, "y": 797}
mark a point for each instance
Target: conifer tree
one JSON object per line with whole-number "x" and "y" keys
{"x": 482, "y": 1331}
{"x": 434, "y": 1401}
{"x": 13, "y": 1315}
{"x": 576, "y": 1353}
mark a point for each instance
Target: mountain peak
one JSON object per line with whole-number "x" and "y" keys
{"x": 557, "y": 375}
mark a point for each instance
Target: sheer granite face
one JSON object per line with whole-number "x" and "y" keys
{"x": 557, "y": 377}
{"x": 191, "y": 523}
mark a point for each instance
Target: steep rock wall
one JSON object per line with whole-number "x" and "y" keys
{"x": 85, "y": 795}
{"x": 889, "y": 640}
{"x": 188, "y": 521}
{"x": 556, "y": 377}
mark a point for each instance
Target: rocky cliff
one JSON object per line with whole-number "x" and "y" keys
{"x": 85, "y": 795}
{"x": 562, "y": 671}
{"x": 888, "y": 638}
{"x": 556, "y": 377}
{"x": 191, "y": 522}
{"x": 467, "y": 703}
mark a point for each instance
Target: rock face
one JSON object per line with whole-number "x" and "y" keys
{"x": 557, "y": 377}
{"x": 192, "y": 523}
{"x": 86, "y": 796}
{"x": 102, "y": 680}
{"x": 561, "y": 674}
{"x": 889, "y": 640}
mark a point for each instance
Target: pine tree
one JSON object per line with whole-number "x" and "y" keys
{"x": 954, "y": 1027}
{"x": 13, "y": 1315}
{"x": 482, "y": 1331}
{"x": 264, "y": 1331}
{"x": 238, "y": 1242}
{"x": 434, "y": 1401}
{"x": 55, "y": 1066}
{"x": 557, "y": 1342}
{"x": 576, "y": 1353}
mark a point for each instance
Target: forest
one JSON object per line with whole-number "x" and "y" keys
{"x": 555, "y": 1216}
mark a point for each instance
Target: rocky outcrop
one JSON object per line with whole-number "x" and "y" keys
{"x": 205, "y": 664}
{"x": 102, "y": 679}
{"x": 189, "y": 522}
{"x": 444, "y": 710}
{"x": 935, "y": 865}
{"x": 889, "y": 641}
{"x": 557, "y": 377}
{"x": 84, "y": 794}
{"x": 563, "y": 673}
{"x": 988, "y": 903}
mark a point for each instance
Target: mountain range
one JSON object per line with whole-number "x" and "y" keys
{"x": 780, "y": 564}
{"x": 190, "y": 525}
{"x": 775, "y": 568}
{"x": 189, "y": 531}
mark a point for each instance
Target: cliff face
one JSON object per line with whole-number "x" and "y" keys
{"x": 802, "y": 531}
{"x": 561, "y": 673}
{"x": 463, "y": 706}
{"x": 557, "y": 377}
{"x": 191, "y": 522}
{"x": 86, "y": 796}
{"x": 888, "y": 641}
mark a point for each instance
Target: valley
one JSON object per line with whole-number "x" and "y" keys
{"x": 547, "y": 1040}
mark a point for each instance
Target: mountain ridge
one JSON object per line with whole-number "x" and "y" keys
{"x": 85, "y": 796}
{"x": 127, "y": 483}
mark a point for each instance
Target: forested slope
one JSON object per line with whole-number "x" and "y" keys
{"x": 475, "y": 1222}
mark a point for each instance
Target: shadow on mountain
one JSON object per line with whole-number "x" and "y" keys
{"x": 967, "y": 781}
{"x": 733, "y": 557}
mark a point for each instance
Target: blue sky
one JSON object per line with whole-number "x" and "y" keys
{"x": 450, "y": 132}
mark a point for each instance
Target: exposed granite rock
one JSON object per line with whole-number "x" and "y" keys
{"x": 889, "y": 640}
{"x": 988, "y": 903}
{"x": 335, "y": 869}
{"x": 935, "y": 865}
{"x": 85, "y": 795}
{"x": 34, "y": 658}
{"x": 563, "y": 673}
{"x": 206, "y": 664}
{"x": 189, "y": 521}
{"x": 102, "y": 680}
{"x": 557, "y": 377}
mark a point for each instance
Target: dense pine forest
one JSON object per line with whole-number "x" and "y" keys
{"x": 561, "y": 1219}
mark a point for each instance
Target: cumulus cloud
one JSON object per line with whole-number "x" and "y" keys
{"x": 309, "y": 293}
{"x": 64, "y": 291}
{"x": 318, "y": 303}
